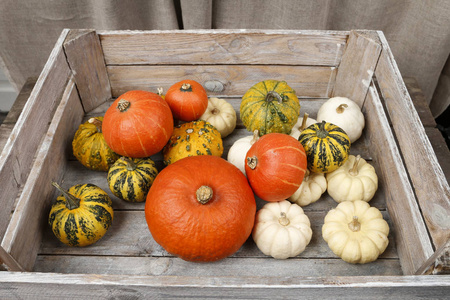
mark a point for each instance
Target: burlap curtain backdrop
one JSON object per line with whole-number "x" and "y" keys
{"x": 418, "y": 31}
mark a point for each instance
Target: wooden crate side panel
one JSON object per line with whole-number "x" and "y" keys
{"x": 357, "y": 66}
{"x": 232, "y": 80}
{"x": 413, "y": 243}
{"x": 85, "y": 58}
{"x": 269, "y": 47}
{"x": 23, "y": 237}
{"x": 15, "y": 163}
{"x": 429, "y": 181}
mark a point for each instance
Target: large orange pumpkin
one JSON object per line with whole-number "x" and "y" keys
{"x": 187, "y": 100}
{"x": 199, "y": 213}
{"x": 138, "y": 124}
{"x": 275, "y": 166}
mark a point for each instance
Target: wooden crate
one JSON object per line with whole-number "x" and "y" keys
{"x": 87, "y": 69}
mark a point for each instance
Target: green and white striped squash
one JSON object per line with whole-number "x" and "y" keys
{"x": 327, "y": 147}
{"x": 270, "y": 106}
{"x": 130, "y": 179}
{"x": 82, "y": 215}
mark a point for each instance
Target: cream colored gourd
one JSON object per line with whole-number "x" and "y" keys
{"x": 356, "y": 232}
{"x": 344, "y": 113}
{"x": 221, "y": 115}
{"x": 237, "y": 152}
{"x": 312, "y": 187}
{"x": 354, "y": 180}
{"x": 301, "y": 124}
{"x": 281, "y": 230}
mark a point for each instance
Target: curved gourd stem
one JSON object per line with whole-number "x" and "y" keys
{"x": 131, "y": 166}
{"x": 272, "y": 95}
{"x": 341, "y": 108}
{"x": 255, "y": 137}
{"x": 354, "y": 170}
{"x": 305, "y": 118}
{"x": 283, "y": 220}
{"x": 72, "y": 202}
{"x": 97, "y": 124}
{"x": 204, "y": 194}
{"x": 354, "y": 225}
{"x": 322, "y": 133}
{"x": 123, "y": 105}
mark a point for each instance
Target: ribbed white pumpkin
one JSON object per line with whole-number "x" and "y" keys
{"x": 301, "y": 124}
{"x": 239, "y": 149}
{"x": 354, "y": 180}
{"x": 311, "y": 189}
{"x": 344, "y": 113}
{"x": 281, "y": 230}
{"x": 221, "y": 115}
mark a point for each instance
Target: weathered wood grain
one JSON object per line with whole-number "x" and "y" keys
{"x": 357, "y": 66}
{"x": 15, "y": 163}
{"x": 413, "y": 244}
{"x": 23, "y": 236}
{"x": 184, "y": 47}
{"x": 429, "y": 182}
{"x": 420, "y": 102}
{"x": 307, "y": 81}
{"x": 85, "y": 57}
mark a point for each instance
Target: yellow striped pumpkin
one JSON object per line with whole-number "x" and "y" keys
{"x": 130, "y": 179}
{"x": 81, "y": 215}
{"x": 327, "y": 147}
{"x": 270, "y": 106}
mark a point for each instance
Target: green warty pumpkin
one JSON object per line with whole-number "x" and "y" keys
{"x": 327, "y": 147}
{"x": 130, "y": 179}
{"x": 81, "y": 215}
{"x": 270, "y": 106}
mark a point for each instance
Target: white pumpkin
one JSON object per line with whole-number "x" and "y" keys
{"x": 354, "y": 180}
{"x": 281, "y": 230}
{"x": 239, "y": 149}
{"x": 221, "y": 115}
{"x": 301, "y": 124}
{"x": 344, "y": 113}
{"x": 356, "y": 232}
{"x": 312, "y": 187}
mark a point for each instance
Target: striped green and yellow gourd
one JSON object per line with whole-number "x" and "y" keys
{"x": 327, "y": 147}
{"x": 81, "y": 215}
{"x": 130, "y": 179}
{"x": 270, "y": 106}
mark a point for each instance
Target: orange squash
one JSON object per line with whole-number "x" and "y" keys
{"x": 187, "y": 100}
{"x": 200, "y": 208}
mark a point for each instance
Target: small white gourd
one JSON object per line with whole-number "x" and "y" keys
{"x": 344, "y": 113}
{"x": 311, "y": 189}
{"x": 302, "y": 123}
{"x": 221, "y": 115}
{"x": 281, "y": 230}
{"x": 354, "y": 180}
{"x": 239, "y": 149}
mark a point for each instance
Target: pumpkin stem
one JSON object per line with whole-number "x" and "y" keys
{"x": 354, "y": 170}
{"x": 131, "y": 166}
{"x": 123, "y": 105}
{"x": 305, "y": 118}
{"x": 283, "y": 220}
{"x": 186, "y": 87}
{"x": 341, "y": 108}
{"x": 97, "y": 124}
{"x": 252, "y": 162}
{"x": 255, "y": 137}
{"x": 72, "y": 202}
{"x": 215, "y": 111}
{"x": 204, "y": 194}
{"x": 160, "y": 91}
{"x": 272, "y": 95}
{"x": 322, "y": 133}
{"x": 354, "y": 225}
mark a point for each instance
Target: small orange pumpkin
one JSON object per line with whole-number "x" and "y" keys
{"x": 197, "y": 213}
{"x": 187, "y": 100}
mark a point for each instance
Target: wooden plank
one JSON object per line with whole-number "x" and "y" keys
{"x": 440, "y": 149}
{"x": 88, "y": 286}
{"x": 21, "y": 100}
{"x": 185, "y": 47}
{"x": 438, "y": 263}
{"x": 308, "y": 82}
{"x": 357, "y": 66}
{"x": 85, "y": 58}
{"x": 429, "y": 182}
{"x": 23, "y": 236}
{"x": 413, "y": 244}
{"x": 32, "y": 124}
{"x": 420, "y": 102}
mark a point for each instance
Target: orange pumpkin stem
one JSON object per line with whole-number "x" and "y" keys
{"x": 186, "y": 87}
{"x": 123, "y": 105}
{"x": 341, "y": 108}
{"x": 354, "y": 170}
{"x": 72, "y": 202}
{"x": 97, "y": 124}
{"x": 204, "y": 194}
{"x": 252, "y": 162}
{"x": 283, "y": 220}
{"x": 160, "y": 91}
{"x": 354, "y": 225}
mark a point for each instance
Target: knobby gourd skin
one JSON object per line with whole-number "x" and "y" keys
{"x": 130, "y": 179}
{"x": 84, "y": 221}
{"x": 327, "y": 147}
{"x": 90, "y": 147}
{"x": 270, "y": 106}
